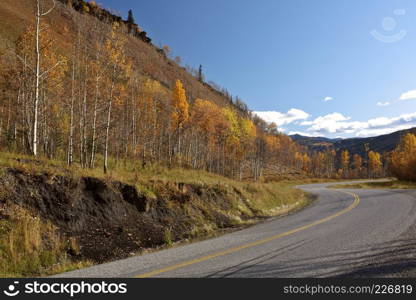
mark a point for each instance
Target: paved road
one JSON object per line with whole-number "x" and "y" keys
{"x": 343, "y": 233}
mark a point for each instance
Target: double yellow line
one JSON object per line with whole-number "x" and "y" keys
{"x": 253, "y": 244}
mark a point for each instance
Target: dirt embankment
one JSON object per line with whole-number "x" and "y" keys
{"x": 112, "y": 220}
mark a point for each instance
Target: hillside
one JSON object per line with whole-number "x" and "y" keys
{"x": 314, "y": 143}
{"x": 16, "y": 15}
{"x": 106, "y": 95}
{"x": 382, "y": 144}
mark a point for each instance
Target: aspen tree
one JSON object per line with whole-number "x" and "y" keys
{"x": 357, "y": 163}
{"x": 403, "y": 159}
{"x": 180, "y": 111}
{"x": 118, "y": 66}
{"x": 38, "y": 72}
{"x": 345, "y": 162}
{"x": 375, "y": 163}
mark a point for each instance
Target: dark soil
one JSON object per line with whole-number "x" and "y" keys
{"x": 113, "y": 220}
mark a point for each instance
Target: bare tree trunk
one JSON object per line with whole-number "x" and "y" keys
{"x": 85, "y": 113}
{"x": 37, "y": 82}
{"x": 38, "y": 75}
{"x": 71, "y": 125}
{"x": 94, "y": 124}
{"x": 107, "y": 132}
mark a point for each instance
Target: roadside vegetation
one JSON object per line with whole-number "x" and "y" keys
{"x": 403, "y": 159}
{"x": 30, "y": 246}
{"x": 200, "y": 204}
{"x": 402, "y": 165}
{"x": 394, "y": 184}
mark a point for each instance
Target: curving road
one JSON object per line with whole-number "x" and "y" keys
{"x": 352, "y": 233}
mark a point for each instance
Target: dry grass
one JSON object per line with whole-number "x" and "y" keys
{"x": 262, "y": 196}
{"x": 394, "y": 184}
{"x": 30, "y": 246}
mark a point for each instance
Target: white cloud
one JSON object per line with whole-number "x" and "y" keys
{"x": 408, "y": 95}
{"x": 338, "y": 123}
{"x": 326, "y": 99}
{"x": 332, "y": 123}
{"x": 280, "y": 119}
{"x": 383, "y": 103}
{"x": 382, "y": 131}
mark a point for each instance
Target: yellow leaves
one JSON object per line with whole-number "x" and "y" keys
{"x": 403, "y": 159}
{"x": 53, "y": 65}
{"x": 298, "y": 156}
{"x": 115, "y": 52}
{"x": 207, "y": 118}
{"x": 318, "y": 160}
{"x": 303, "y": 161}
{"x": 345, "y": 159}
{"x": 306, "y": 162}
{"x": 248, "y": 130}
{"x": 26, "y": 43}
{"x": 118, "y": 66}
{"x": 204, "y": 115}
{"x": 223, "y": 125}
{"x": 273, "y": 143}
{"x": 374, "y": 162}
{"x": 180, "y": 113}
{"x": 409, "y": 144}
{"x": 150, "y": 88}
{"x": 321, "y": 157}
{"x": 233, "y": 129}
{"x": 357, "y": 162}
{"x": 149, "y": 91}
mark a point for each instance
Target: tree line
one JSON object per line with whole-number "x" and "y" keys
{"x": 403, "y": 159}
{"x": 94, "y": 106}
{"x": 342, "y": 164}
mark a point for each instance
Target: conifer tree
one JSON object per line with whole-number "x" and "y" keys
{"x": 130, "y": 20}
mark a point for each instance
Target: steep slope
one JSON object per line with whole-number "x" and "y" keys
{"x": 16, "y": 15}
{"x": 113, "y": 97}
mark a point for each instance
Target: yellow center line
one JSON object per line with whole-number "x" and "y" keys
{"x": 253, "y": 244}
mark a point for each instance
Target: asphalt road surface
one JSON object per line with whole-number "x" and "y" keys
{"x": 353, "y": 233}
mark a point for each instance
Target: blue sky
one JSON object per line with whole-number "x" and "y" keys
{"x": 284, "y": 58}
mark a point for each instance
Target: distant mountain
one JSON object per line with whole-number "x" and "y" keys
{"x": 382, "y": 143}
{"x": 315, "y": 143}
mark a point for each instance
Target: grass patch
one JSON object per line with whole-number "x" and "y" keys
{"x": 260, "y": 196}
{"x": 31, "y": 247}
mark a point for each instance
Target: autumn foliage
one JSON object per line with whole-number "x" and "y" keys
{"x": 97, "y": 106}
{"x": 403, "y": 159}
